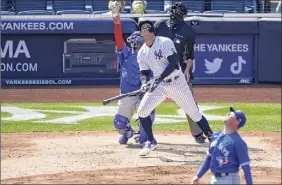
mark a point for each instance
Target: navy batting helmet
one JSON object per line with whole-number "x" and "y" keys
{"x": 135, "y": 39}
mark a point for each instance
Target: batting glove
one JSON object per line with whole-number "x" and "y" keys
{"x": 144, "y": 88}
{"x": 153, "y": 84}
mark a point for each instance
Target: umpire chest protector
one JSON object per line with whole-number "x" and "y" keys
{"x": 179, "y": 34}
{"x": 129, "y": 70}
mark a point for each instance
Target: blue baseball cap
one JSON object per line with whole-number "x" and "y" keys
{"x": 240, "y": 116}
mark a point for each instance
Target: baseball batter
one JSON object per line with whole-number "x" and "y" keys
{"x": 227, "y": 152}
{"x": 159, "y": 55}
{"x": 129, "y": 81}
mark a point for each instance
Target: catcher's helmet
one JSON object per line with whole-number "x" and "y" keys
{"x": 135, "y": 39}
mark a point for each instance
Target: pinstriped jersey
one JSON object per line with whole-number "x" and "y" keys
{"x": 155, "y": 57}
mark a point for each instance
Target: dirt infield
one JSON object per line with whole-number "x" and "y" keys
{"x": 252, "y": 94}
{"x": 95, "y": 157}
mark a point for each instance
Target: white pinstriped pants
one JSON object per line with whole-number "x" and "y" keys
{"x": 177, "y": 90}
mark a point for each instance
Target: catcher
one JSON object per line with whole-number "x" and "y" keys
{"x": 129, "y": 81}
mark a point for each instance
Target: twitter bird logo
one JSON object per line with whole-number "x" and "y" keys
{"x": 213, "y": 67}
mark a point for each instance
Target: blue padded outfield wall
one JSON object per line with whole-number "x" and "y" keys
{"x": 269, "y": 50}
{"x": 52, "y": 50}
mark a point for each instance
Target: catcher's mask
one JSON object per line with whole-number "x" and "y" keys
{"x": 135, "y": 40}
{"x": 176, "y": 13}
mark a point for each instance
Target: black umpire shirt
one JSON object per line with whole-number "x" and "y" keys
{"x": 183, "y": 37}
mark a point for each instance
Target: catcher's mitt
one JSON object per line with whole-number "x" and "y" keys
{"x": 121, "y": 3}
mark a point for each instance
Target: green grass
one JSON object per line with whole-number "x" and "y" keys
{"x": 53, "y": 106}
{"x": 5, "y": 114}
{"x": 28, "y": 126}
{"x": 261, "y": 117}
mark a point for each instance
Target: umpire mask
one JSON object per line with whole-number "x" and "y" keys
{"x": 176, "y": 14}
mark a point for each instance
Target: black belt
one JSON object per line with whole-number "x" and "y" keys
{"x": 170, "y": 80}
{"x": 221, "y": 174}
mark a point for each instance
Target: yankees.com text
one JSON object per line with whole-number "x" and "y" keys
{"x": 36, "y": 26}
{"x": 19, "y": 67}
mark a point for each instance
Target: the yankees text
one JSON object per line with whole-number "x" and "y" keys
{"x": 221, "y": 47}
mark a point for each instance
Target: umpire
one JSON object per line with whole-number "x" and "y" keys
{"x": 183, "y": 37}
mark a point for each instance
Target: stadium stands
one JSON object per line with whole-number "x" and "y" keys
{"x": 100, "y": 5}
{"x": 229, "y": 5}
{"x": 156, "y": 6}
{"x": 194, "y": 5}
{"x": 37, "y": 7}
{"x": 4, "y": 5}
{"x": 58, "y": 7}
{"x": 250, "y": 6}
{"x": 6, "y": 8}
{"x": 73, "y": 7}
{"x": 220, "y": 11}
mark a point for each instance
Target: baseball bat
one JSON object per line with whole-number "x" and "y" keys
{"x": 118, "y": 97}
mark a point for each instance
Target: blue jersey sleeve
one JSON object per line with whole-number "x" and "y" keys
{"x": 204, "y": 167}
{"x": 207, "y": 162}
{"x": 248, "y": 174}
{"x": 242, "y": 153}
{"x": 122, "y": 54}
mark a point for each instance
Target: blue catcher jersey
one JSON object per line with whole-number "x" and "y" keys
{"x": 228, "y": 152}
{"x": 129, "y": 69}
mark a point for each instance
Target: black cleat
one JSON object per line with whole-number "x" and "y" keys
{"x": 200, "y": 139}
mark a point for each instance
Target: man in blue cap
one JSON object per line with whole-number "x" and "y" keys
{"x": 227, "y": 153}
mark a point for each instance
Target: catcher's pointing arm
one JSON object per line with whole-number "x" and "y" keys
{"x": 118, "y": 33}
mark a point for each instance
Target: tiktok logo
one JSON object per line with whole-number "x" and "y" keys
{"x": 236, "y": 67}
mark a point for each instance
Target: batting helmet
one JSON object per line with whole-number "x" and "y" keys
{"x": 152, "y": 30}
{"x": 135, "y": 39}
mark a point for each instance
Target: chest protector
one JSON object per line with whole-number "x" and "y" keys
{"x": 130, "y": 70}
